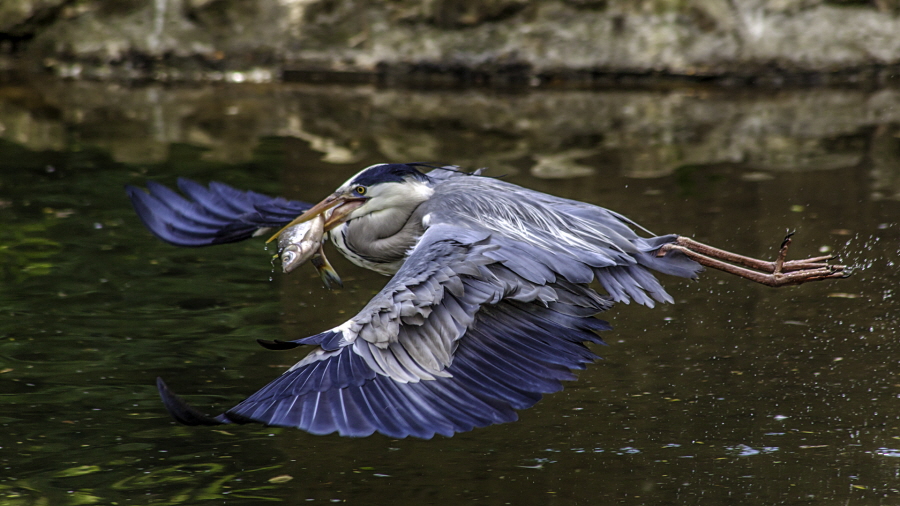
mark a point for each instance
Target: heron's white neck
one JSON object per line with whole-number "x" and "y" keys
{"x": 379, "y": 234}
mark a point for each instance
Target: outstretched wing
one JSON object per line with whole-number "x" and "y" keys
{"x": 461, "y": 337}
{"x": 214, "y": 215}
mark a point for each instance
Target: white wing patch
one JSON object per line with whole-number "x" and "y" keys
{"x": 507, "y": 220}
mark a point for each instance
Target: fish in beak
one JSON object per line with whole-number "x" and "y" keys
{"x": 302, "y": 242}
{"x": 340, "y": 206}
{"x": 298, "y": 243}
{"x": 302, "y": 238}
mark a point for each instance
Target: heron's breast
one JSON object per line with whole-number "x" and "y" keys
{"x": 361, "y": 257}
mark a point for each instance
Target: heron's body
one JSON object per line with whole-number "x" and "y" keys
{"x": 491, "y": 301}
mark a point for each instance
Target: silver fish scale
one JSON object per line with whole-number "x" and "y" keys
{"x": 298, "y": 243}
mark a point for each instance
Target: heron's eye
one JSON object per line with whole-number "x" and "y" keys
{"x": 360, "y": 190}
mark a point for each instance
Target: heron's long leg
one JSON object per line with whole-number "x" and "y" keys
{"x": 777, "y": 273}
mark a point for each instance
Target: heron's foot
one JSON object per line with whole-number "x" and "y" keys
{"x": 781, "y": 272}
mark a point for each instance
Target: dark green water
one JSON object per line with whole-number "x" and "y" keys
{"x": 736, "y": 394}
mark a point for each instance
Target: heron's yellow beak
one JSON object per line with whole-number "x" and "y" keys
{"x": 341, "y": 205}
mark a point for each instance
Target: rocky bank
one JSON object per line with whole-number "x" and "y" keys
{"x": 496, "y": 42}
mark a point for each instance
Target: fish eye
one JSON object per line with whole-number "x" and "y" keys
{"x": 361, "y": 190}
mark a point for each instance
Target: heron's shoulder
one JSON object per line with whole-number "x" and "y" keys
{"x": 475, "y": 196}
{"x": 473, "y": 188}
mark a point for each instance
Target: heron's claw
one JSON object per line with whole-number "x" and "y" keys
{"x": 787, "y": 240}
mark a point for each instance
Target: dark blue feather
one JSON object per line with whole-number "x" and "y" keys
{"x": 183, "y": 208}
{"x": 165, "y": 223}
{"x": 376, "y": 419}
{"x": 561, "y": 352}
{"x": 328, "y": 340}
{"x": 478, "y": 381}
{"x": 513, "y": 353}
{"x": 420, "y": 424}
{"x": 212, "y": 202}
{"x": 388, "y": 418}
{"x": 215, "y": 215}
{"x": 389, "y": 173}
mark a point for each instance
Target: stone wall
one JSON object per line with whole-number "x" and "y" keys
{"x": 459, "y": 41}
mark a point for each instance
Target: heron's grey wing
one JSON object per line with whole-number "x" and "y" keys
{"x": 214, "y": 215}
{"x": 456, "y": 340}
{"x": 557, "y": 236}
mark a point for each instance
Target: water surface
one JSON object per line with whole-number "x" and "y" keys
{"x": 736, "y": 393}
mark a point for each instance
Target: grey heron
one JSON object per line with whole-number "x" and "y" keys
{"x": 493, "y": 294}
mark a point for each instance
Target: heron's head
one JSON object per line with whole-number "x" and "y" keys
{"x": 382, "y": 187}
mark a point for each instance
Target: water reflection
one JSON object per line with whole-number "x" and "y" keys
{"x": 735, "y": 393}
{"x": 554, "y": 134}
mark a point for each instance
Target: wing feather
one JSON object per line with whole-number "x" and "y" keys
{"x": 486, "y": 343}
{"x": 214, "y": 215}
